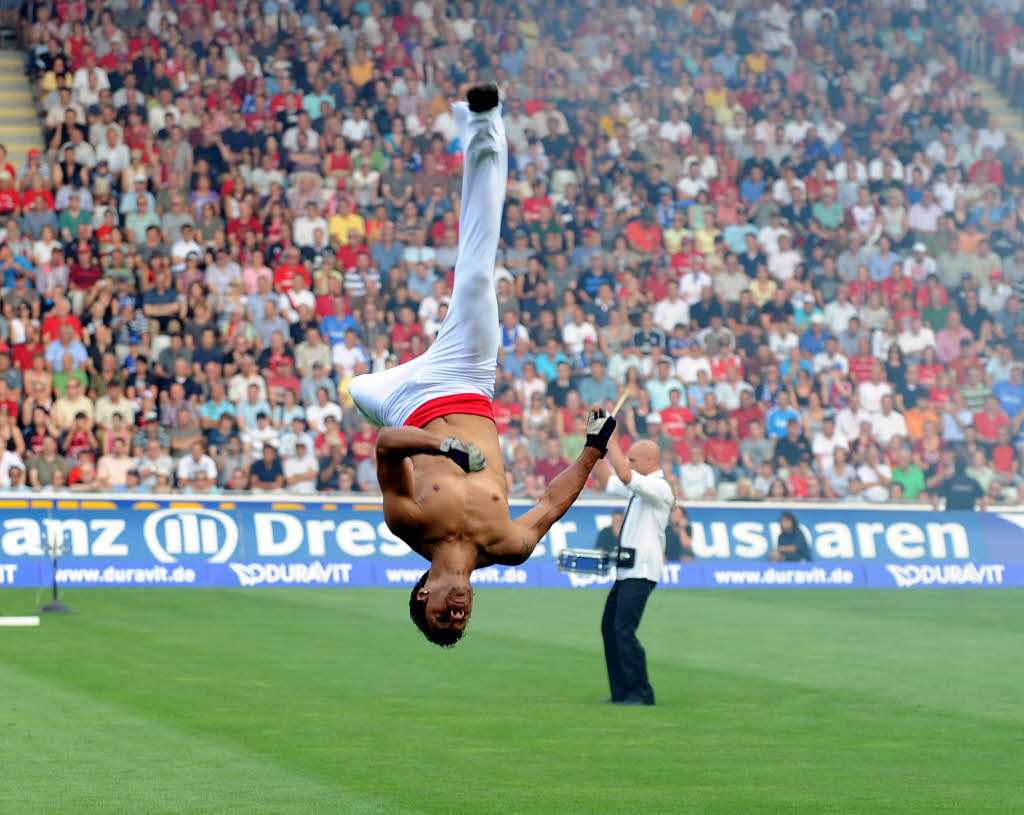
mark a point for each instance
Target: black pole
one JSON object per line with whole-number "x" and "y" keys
{"x": 55, "y": 606}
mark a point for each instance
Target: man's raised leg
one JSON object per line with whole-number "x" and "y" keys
{"x": 469, "y": 335}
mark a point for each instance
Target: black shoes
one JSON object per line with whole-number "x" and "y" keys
{"x": 626, "y": 702}
{"x": 482, "y": 98}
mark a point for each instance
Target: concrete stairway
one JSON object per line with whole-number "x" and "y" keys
{"x": 20, "y": 128}
{"x": 1009, "y": 118}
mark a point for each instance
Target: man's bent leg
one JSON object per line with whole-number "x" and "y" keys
{"x": 630, "y": 608}
{"x": 611, "y": 655}
{"x": 371, "y": 392}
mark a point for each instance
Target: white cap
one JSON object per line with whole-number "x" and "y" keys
{"x": 920, "y": 247}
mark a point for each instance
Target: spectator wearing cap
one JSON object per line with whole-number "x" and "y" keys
{"x": 995, "y": 293}
{"x": 131, "y": 204}
{"x": 258, "y": 434}
{"x": 815, "y": 337}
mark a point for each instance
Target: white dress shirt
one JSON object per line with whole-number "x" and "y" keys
{"x": 643, "y": 528}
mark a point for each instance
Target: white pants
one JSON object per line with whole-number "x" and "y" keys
{"x": 464, "y": 355}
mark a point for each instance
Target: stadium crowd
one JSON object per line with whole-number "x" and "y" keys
{"x": 793, "y": 233}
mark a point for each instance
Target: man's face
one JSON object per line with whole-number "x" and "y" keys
{"x": 449, "y": 603}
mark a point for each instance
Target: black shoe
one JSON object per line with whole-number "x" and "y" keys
{"x": 632, "y": 702}
{"x": 482, "y": 98}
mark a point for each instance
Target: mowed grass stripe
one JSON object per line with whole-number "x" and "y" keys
{"x": 72, "y": 752}
{"x": 335, "y": 686}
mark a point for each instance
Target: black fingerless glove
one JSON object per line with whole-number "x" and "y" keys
{"x": 600, "y": 427}
{"x": 467, "y": 456}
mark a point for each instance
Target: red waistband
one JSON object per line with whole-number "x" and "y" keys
{"x": 472, "y": 404}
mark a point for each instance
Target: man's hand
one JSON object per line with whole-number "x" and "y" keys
{"x": 467, "y": 456}
{"x": 600, "y": 426}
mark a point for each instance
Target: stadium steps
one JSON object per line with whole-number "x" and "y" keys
{"x": 1008, "y": 118}
{"x": 20, "y": 129}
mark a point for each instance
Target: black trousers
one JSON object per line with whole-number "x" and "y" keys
{"x": 627, "y": 665}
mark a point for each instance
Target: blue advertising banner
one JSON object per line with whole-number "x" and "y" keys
{"x": 117, "y": 540}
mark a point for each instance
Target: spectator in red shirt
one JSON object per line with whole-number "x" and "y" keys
{"x": 722, "y": 450}
{"x": 61, "y": 315}
{"x": 506, "y": 408}
{"x": 863, "y": 362}
{"x": 747, "y": 412}
{"x": 84, "y": 274}
{"x": 10, "y": 198}
{"x": 552, "y": 464}
{"x": 896, "y": 285}
{"x": 281, "y": 376}
{"x": 363, "y": 441}
{"x": 285, "y": 273}
{"x": 245, "y": 222}
{"x": 644, "y": 234}
{"x": 675, "y": 417}
{"x": 401, "y": 334}
{"x": 1004, "y": 455}
{"x": 861, "y": 288}
{"x": 988, "y": 421}
{"x": 986, "y": 170}
{"x": 532, "y": 205}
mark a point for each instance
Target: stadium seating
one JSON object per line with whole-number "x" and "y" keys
{"x": 793, "y": 231}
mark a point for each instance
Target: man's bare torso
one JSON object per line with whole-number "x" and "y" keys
{"x": 459, "y": 508}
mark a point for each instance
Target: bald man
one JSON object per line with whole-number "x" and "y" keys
{"x": 439, "y": 461}
{"x": 640, "y": 553}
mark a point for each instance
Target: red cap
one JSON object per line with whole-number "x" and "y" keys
{"x": 33, "y": 153}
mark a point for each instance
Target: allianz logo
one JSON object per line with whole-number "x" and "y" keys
{"x": 171, "y": 533}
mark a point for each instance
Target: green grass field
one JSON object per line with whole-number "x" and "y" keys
{"x": 329, "y": 701}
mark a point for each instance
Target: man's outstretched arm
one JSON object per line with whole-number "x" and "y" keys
{"x": 527, "y": 530}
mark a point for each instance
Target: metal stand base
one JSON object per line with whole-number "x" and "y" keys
{"x": 55, "y": 607}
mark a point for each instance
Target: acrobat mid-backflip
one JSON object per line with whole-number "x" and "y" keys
{"x": 438, "y": 459}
